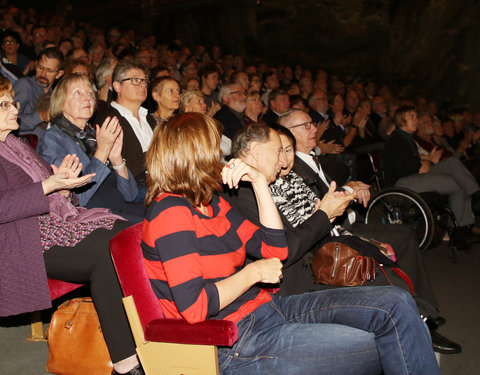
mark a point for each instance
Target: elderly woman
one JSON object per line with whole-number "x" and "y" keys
{"x": 44, "y": 235}
{"x": 195, "y": 246}
{"x": 166, "y": 93}
{"x": 254, "y": 107}
{"x": 193, "y": 101}
{"x": 99, "y": 150}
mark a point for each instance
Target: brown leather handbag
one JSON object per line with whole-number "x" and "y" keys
{"x": 336, "y": 263}
{"x": 75, "y": 341}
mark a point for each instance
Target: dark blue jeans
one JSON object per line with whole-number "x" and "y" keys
{"x": 373, "y": 328}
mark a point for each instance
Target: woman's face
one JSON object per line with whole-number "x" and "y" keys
{"x": 79, "y": 103}
{"x": 193, "y": 84}
{"x": 254, "y": 105}
{"x": 8, "y": 116}
{"x": 197, "y": 104}
{"x": 169, "y": 98}
{"x": 255, "y": 84}
{"x": 338, "y": 104}
{"x": 289, "y": 152}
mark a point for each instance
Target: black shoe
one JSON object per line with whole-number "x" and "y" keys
{"x": 443, "y": 345}
{"x": 138, "y": 370}
{"x": 434, "y": 323}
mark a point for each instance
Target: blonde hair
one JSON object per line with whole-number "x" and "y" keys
{"x": 184, "y": 158}
{"x": 187, "y": 96}
{"x": 59, "y": 94}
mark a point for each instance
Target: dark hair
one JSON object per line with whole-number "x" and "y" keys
{"x": 399, "y": 116}
{"x": 286, "y": 132}
{"x": 295, "y": 99}
{"x": 13, "y": 34}
{"x": 256, "y": 132}
{"x": 274, "y": 93}
{"x": 53, "y": 53}
{"x": 208, "y": 69}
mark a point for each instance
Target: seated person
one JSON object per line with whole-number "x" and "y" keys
{"x": 44, "y": 235}
{"x": 100, "y": 150}
{"x": 403, "y": 167}
{"x": 194, "y": 245}
{"x": 193, "y": 101}
{"x": 166, "y": 94}
{"x": 307, "y": 221}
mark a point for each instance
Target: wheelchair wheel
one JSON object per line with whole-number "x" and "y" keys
{"x": 402, "y": 206}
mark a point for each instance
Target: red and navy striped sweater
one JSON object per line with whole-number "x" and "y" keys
{"x": 186, "y": 253}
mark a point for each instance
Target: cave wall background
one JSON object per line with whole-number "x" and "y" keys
{"x": 418, "y": 47}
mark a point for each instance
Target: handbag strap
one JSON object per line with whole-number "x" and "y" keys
{"x": 400, "y": 273}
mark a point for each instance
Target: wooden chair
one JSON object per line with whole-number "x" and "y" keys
{"x": 164, "y": 346}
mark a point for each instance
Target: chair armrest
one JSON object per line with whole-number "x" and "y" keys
{"x": 209, "y": 332}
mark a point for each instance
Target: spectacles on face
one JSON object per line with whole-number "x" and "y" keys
{"x": 306, "y": 125}
{"x": 5, "y": 105}
{"x": 8, "y": 42}
{"x": 48, "y": 70}
{"x": 136, "y": 81}
{"x": 39, "y": 34}
{"x": 243, "y": 93}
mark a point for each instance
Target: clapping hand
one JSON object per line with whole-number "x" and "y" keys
{"x": 334, "y": 203}
{"x": 65, "y": 177}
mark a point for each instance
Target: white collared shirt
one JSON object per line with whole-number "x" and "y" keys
{"x": 318, "y": 169}
{"x": 311, "y": 163}
{"x": 142, "y": 129}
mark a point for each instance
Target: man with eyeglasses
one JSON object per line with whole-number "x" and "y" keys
{"x": 234, "y": 101}
{"x": 130, "y": 81}
{"x": 48, "y": 68}
{"x": 39, "y": 39}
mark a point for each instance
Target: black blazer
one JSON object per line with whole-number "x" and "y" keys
{"x": 132, "y": 150}
{"x": 301, "y": 239}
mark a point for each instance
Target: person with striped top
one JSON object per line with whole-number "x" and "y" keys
{"x": 195, "y": 246}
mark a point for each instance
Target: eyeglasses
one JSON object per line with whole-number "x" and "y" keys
{"x": 5, "y": 105}
{"x": 8, "y": 42}
{"x": 48, "y": 70}
{"x": 238, "y": 92}
{"x": 136, "y": 81}
{"x": 39, "y": 34}
{"x": 306, "y": 125}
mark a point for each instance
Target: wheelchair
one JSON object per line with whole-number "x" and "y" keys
{"x": 427, "y": 213}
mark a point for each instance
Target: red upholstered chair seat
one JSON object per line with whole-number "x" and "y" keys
{"x": 59, "y": 288}
{"x": 128, "y": 260}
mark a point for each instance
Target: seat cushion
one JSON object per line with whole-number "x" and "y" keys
{"x": 209, "y": 332}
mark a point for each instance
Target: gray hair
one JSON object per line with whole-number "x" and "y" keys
{"x": 284, "y": 118}
{"x": 223, "y": 91}
{"x": 103, "y": 70}
{"x": 257, "y": 132}
{"x": 123, "y": 67}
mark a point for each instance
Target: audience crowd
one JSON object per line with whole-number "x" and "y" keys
{"x": 102, "y": 93}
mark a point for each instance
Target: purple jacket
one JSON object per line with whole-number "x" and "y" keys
{"x": 23, "y": 279}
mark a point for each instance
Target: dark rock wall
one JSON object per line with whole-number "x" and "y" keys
{"x": 420, "y": 48}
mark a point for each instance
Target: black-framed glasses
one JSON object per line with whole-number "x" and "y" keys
{"x": 307, "y": 125}
{"x": 136, "y": 81}
{"x": 8, "y": 42}
{"x": 5, "y": 105}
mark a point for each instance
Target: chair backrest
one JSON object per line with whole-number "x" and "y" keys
{"x": 128, "y": 260}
